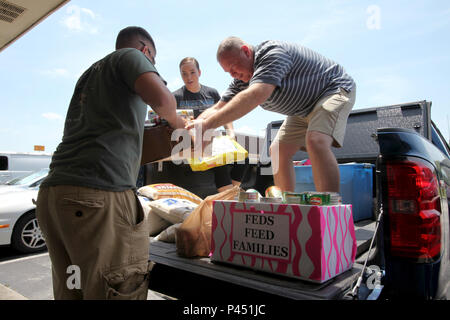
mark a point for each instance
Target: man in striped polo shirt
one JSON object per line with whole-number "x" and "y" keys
{"x": 315, "y": 93}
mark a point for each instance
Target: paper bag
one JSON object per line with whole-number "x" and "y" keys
{"x": 193, "y": 237}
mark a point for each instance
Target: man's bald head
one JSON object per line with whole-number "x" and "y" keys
{"x": 229, "y": 45}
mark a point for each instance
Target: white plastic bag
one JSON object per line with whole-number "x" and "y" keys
{"x": 172, "y": 209}
{"x": 155, "y": 222}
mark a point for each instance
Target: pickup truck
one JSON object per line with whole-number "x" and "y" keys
{"x": 403, "y": 250}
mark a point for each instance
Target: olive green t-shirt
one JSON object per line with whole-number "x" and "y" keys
{"x": 103, "y": 132}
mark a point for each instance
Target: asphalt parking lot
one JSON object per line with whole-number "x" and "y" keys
{"x": 29, "y": 277}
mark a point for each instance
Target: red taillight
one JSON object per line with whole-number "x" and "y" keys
{"x": 414, "y": 210}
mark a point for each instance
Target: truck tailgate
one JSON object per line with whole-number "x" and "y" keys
{"x": 238, "y": 279}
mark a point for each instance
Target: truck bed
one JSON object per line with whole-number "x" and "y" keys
{"x": 199, "y": 277}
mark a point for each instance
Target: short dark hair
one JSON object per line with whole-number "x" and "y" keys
{"x": 130, "y": 37}
{"x": 190, "y": 59}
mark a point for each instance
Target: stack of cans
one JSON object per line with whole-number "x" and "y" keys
{"x": 275, "y": 195}
{"x": 312, "y": 198}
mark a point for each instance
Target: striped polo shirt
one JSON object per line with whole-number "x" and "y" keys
{"x": 301, "y": 77}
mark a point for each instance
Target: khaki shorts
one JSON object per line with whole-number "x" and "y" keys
{"x": 98, "y": 242}
{"x": 329, "y": 116}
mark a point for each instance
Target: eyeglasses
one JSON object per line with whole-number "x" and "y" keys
{"x": 152, "y": 57}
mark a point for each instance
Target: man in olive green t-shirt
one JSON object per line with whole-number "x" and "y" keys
{"x": 92, "y": 221}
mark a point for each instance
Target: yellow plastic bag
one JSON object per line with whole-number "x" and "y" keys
{"x": 193, "y": 237}
{"x": 225, "y": 150}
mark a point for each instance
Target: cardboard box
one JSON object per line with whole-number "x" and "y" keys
{"x": 157, "y": 144}
{"x": 313, "y": 243}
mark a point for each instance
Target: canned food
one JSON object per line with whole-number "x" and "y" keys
{"x": 254, "y": 191}
{"x": 304, "y": 198}
{"x": 335, "y": 198}
{"x": 312, "y": 198}
{"x": 274, "y": 192}
{"x": 249, "y": 196}
{"x": 318, "y": 198}
{"x": 271, "y": 200}
{"x": 292, "y": 197}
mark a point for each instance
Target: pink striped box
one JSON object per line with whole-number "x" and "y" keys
{"x": 313, "y": 243}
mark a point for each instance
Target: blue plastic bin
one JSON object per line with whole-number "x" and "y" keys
{"x": 356, "y": 186}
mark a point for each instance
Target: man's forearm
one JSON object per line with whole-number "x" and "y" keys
{"x": 208, "y": 112}
{"x": 153, "y": 91}
{"x": 240, "y": 105}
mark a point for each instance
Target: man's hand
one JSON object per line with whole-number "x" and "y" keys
{"x": 242, "y": 103}
{"x": 191, "y": 124}
{"x": 202, "y": 137}
{"x": 179, "y": 123}
{"x": 231, "y": 134}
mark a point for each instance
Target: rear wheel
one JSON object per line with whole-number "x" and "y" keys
{"x": 27, "y": 236}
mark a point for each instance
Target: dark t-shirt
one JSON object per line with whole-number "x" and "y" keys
{"x": 198, "y": 101}
{"x": 103, "y": 133}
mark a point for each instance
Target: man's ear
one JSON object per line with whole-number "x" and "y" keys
{"x": 247, "y": 51}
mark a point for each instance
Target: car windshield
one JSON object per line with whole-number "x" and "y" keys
{"x": 28, "y": 179}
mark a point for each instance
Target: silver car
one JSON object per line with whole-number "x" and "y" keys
{"x": 18, "y": 224}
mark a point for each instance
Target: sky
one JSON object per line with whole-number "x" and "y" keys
{"x": 396, "y": 51}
